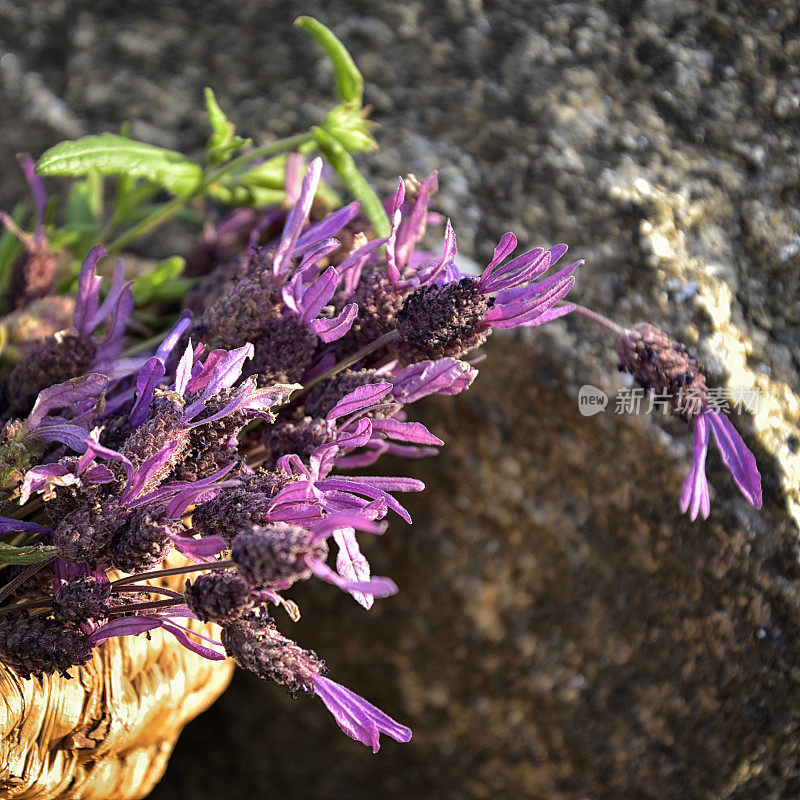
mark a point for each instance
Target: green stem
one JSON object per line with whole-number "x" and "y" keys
{"x": 23, "y": 576}
{"x": 387, "y": 338}
{"x": 270, "y": 149}
{"x": 168, "y": 210}
{"x": 145, "y": 606}
{"x": 26, "y": 604}
{"x": 163, "y": 573}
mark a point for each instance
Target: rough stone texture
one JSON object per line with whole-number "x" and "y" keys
{"x": 560, "y": 632}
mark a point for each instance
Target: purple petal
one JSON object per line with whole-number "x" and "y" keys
{"x": 354, "y": 437}
{"x": 509, "y": 315}
{"x": 226, "y": 372}
{"x": 52, "y": 431}
{"x": 351, "y": 266}
{"x": 46, "y": 474}
{"x": 414, "y": 432}
{"x": 359, "y": 719}
{"x": 413, "y": 228}
{"x": 146, "y": 471}
{"x": 183, "y": 372}
{"x": 329, "y": 330}
{"x": 64, "y": 395}
{"x": 182, "y": 635}
{"x": 94, "y": 449}
{"x": 117, "y": 282}
{"x": 326, "y": 526}
{"x": 445, "y": 376}
{"x": 360, "y": 398}
{"x": 505, "y": 247}
{"x": 204, "y": 547}
{"x": 146, "y": 382}
{"x": 377, "y": 587}
{"x": 737, "y": 458}
{"x": 8, "y": 525}
{"x": 694, "y": 495}
{"x": 88, "y": 299}
{"x": 124, "y": 626}
{"x": 298, "y": 215}
{"x": 351, "y": 564}
{"x": 171, "y": 340}
{"x": 318, "y": 295}
{"x": 292, "y": 179}
{"x": 330, "y": 226}
{"x": 37, "y": 189}
{"x": 201, "y": 373}
{"x": 449, "y": 250}
{"x": 111, "y": 345}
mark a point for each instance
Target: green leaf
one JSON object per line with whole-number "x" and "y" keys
{"x": 110, "y": 154}
{"x": 223, "y": 143}
{"x": 146, "y": 288}
{"x": 9, "y": 248}
{"x": 25, "y": 554}
{"x": 349, "y": 83}
{"x": 79, "y": 205}
{"x": 351, "y": 128}
{"x": 338, "y": 157}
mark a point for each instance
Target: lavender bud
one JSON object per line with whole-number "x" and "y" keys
{"x": 15, "y": 459}
{"x": 282, "y": 352}
{"x": 242, "y": 313}
{"x": 440, "y": 321}
{"x": 80, "y": 600}
{"x": 301, "y": 438}
{"x": 162, "y": 426}
{"x": 218, "y": 596}
{"x": 144, "y": 542}
{"x": 211, "y": 446}
{"x": 57, "y": 359}
{"x": 275, "y": 555}
{"x": 41, "y": 644}
{"x": 664, "y": 366}
{"x": 86, "y": 533}
{"x": 255, "y": 644}
{"x": 240, "y": 507}
{"x": 378, "y": 302}
{"x": 32, "y": 275}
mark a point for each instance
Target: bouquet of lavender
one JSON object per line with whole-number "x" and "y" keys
{"x": 229, "y": 434}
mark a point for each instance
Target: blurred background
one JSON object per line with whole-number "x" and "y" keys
{"x": 561, "y": 632}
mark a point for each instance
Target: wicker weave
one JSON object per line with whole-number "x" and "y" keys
{"x": 107, "y": 733}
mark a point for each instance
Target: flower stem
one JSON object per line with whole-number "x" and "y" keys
{"x": 163, "y": 573}
{"x": 158, "y": 217}
{"x": 270, "y": 149}
{"x": 387, "y": 338}
{"x": 597, "y": 318}
{"x": 146, "y": 606}
{"x": 23, "y": 576}
{"x": 26, "y": 604}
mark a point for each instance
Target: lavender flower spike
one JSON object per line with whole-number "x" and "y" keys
{"x": 667, "y": 367}
{"x": 359, "y": 719}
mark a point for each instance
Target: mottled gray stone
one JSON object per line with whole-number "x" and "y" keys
{"x": 560, "y": 632}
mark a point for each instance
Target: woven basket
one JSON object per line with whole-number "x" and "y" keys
{"x": 107, "y": 733}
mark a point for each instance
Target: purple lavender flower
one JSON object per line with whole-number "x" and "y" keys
{"x": 33, "y": 273}
{"x": 70, "y": 353}
{"x": 667, "y": 367}
{"x": 359, "y": 719}
{"x": 449, "y": 316}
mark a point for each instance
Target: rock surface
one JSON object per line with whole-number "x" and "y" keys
{"x": 561, "y": 632}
